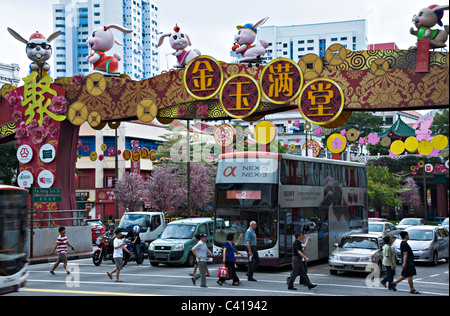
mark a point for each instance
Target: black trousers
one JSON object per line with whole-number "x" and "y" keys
{"x": 299, "y": 270}
{"x": 252, "y": 265}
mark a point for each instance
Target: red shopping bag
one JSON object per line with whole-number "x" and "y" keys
{"x": 223, "y": 273}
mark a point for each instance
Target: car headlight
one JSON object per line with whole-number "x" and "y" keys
{"x": 334, "y": 257}
{"x": 151, "y": 247}
{"x": 366, "y": 259}
{"x": 178, "y": 247}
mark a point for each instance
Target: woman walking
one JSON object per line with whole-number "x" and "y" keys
{"x": 228, "y": 259}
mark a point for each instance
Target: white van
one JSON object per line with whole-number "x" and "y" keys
{"x": 151, "y": 223}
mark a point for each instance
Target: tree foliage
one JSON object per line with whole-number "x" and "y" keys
{"x": 129, "y": 191}
{"x": 410, "y": 195}
{"x": 382, "y": 187}
{"x": 9, "y": 164}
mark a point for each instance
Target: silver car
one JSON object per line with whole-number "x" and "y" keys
{"x": 428, "y": 243}
{"x": 407, "y": 222}
{"x": 383, "y": 228}
{"x": 355, "y": 253}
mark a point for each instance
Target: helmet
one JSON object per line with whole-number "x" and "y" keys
{"x": 136, "y": 229}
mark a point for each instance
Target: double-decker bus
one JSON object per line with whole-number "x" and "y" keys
{"x": 285, "y": 194}
{"x": 13, "y": 238}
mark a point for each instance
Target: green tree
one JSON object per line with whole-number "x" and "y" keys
{"x": 383, "y": 187}
{"x": 440, "y": 124}
{"x": 9, "y": 164}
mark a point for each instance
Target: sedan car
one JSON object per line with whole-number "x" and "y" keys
{"x": 445, "y": 224}
{"x": 97, "y": 228}
{"x": 428, "y": 243}
{"x": 406, "y": 222}
{"x": 383, "y": 228}
{"x": 356, "y": 253}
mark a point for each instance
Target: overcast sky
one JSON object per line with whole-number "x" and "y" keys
{"x": 211, "y": 24}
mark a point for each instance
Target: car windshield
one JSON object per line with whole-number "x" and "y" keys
{"x": 375, "y": 228}
{"x": 420, "y": 235}
{"x": 175, "y": 231}
{"x": 410, "y": 221}
{"x": 93, "y": 223}
{"x": 359, "y": 242}
{"x": 129, "y": 220}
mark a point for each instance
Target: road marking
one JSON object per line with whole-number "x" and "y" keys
{"x": 87, "y": 292}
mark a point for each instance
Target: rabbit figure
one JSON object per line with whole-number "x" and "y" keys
{"x": 102, "y": 40}
{"x": 180, "y": 41}
{"x": 244, "y": 42}
{"x": 425, "y": 20}
{"x": 38, "y": 50}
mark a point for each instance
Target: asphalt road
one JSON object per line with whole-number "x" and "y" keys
{"x": 87, "y": 279}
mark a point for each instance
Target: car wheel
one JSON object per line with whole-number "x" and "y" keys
{"x": 190, "y": 260}
{"x": 435, "y": 259}
{"x": 333, "y": 272}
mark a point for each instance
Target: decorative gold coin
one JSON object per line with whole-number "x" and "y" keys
{"x": 94, "y": 119}
{"x": 113, "y": 125}
{"x": 352, "y": 135}
{"x": 336, "y": 54}
{"x": 311, "y": 66}
{"x": 385, "y": 141}
{"x": 379, "y": 67}
{"x": 147, "y": 110}
{"x": 96, "y": 84}
{"x": 78, "y": 113}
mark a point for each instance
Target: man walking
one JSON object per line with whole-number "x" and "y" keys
{"x": 61, "y": 246}
{"x": 201, "y": 251}
{"x": 298, "y": 268}
{"x": 252, "y": 252}
{"x": 408, "y": 267}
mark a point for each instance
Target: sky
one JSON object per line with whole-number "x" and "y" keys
{"x": 211, "y": 24}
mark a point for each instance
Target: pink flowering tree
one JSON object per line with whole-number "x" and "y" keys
{"x": 164, "y": 189}
{"x": 130, "y": 190}
{"x": 202, "y": 185}
{"x": 410, "y": 194}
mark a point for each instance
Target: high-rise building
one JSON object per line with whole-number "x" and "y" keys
{"x": 294, "y": 41}
{"x": 77, "y": 20}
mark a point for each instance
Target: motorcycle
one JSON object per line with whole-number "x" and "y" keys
{"x": 135, "y": 255}
{"x": 104, "y": 251}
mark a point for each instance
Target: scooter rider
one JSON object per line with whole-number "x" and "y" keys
{"x": 110, "y": 235}
{"x": 136, "y": 241}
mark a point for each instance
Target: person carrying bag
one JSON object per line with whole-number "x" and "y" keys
{"x": 229, "y": 269}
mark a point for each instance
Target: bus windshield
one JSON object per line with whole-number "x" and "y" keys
{"x": 237, "y": 220}
{"x": 13, "y": 225}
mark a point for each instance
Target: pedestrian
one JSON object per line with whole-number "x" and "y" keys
{"x": 197, "y": 239}
{"x": 389, "y": 262}
{"x": 61, "y": 246}
{"x": 119, "y": 247}
{"x": 228, "y": 259}
{"x": 201, "y": 252}
{"x": 298, "y": 267}
{"x": 408, "y": 268}
{"x": 252, "y": 252}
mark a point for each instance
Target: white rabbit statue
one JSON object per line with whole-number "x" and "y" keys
{"x": 244, "y": 42}
{"x": 425, "y": 20}
{"x": 180, "y": 41}
{"x": 102, "y": 40}
{"x": 38, "y": 50}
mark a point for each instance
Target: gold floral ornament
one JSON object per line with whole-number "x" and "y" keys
{"x": 336, "y": 143}
{"x": 96, "y": 84}
{"x": 147, "y": 110}
{"x": 78, "y": 113}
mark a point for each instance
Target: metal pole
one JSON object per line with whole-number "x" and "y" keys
{"x": 31, "y": 224}
{"x": 116, "y": 169}
{"x": 188, "y": 175}
{"x": 425, "y": 200}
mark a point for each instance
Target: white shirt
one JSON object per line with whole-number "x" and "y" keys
{"x": 118, "y": 253}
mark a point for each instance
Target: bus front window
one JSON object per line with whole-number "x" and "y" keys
{"x": 237, "y": 221}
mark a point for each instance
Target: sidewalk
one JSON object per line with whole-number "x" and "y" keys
{"x": 70, "y": 256}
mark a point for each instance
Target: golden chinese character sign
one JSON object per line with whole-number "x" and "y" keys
{"x": 240, "y": 96}
{"x": 321, "y": 101}
{"x": 203, "y": 78}
{"x": 281, "y": 81}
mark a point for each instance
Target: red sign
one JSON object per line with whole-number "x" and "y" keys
{"x": 240, "y": 96}
{"x": 244, "y": 195}
{"x": 321, "y": 101}
{"x": 224, "y": 135}
{"x": 281, "y": 81}
{"x": 203, "y": 77}
{"x": 423, "y": 55}
{"x": 105, "y": 196}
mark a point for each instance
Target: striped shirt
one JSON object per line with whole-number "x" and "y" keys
{"x": 61, "y": 241}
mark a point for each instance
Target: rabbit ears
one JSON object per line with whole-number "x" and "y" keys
{"x": 161, "y": 39}
{"x": 260, "y": 22}
{"x": 435, "y": 8}
{"x": 120, "y": 28}
{"x": 18, "y": 37}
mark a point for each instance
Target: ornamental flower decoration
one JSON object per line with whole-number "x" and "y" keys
{"x": 202, "y": 110}
{"x": 318, "y": 131}
{"x": 58, "y": 105}
{"x": 373, "y": 138}
{"x": 52, "y": 131}
{"x": 14, "y": 99}
{"x": 337, "y": 143}
{"x": 38, "y": 135}
{"x": 111, "y": 152}
{"x": 77, "y": 79}
{"x": 181, "y": 111}
{"x": 17, "y": 116}
{"x": 362, "y": 141}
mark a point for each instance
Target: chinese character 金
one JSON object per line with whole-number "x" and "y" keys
{"x": 34, "y": 97}
{"x": 203, "y": 81}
